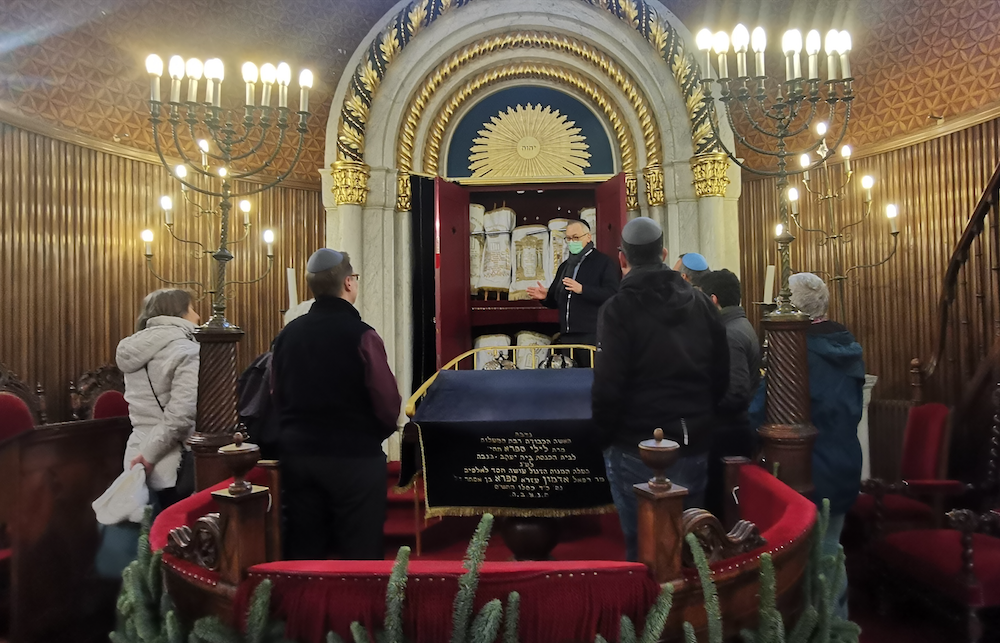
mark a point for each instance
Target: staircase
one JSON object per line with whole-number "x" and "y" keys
{"x": 404, "y": 516}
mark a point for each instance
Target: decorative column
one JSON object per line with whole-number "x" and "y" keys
{"x": 655, "y": 194}
{"x": 711, "y": 180}
{"x": 631, "y": 193}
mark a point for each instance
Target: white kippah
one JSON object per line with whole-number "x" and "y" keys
{"x": 324, "y": 259}
{"x": 640, "y": 231}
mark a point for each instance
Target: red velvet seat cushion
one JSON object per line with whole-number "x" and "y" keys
{"x": 896, "y": 508}
{"x": 926, "y": 426}
{"x": 560, "y": 600}
{"x": 110, "y": 404}
{"x": 933, "y": 557}
{"x": 15, "y": 416}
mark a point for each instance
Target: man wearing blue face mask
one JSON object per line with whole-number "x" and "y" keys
{"x": 582, "y": 283}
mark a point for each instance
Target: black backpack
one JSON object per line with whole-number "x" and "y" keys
{"x": 254, "y": 405}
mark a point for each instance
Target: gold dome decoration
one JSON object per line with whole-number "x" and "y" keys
{"x": 529, "y": 142}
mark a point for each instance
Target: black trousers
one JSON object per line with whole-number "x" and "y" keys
{"x": 733, "y": 437}
{"x": 333, "y": 505}
{"x": 580, "y": 356}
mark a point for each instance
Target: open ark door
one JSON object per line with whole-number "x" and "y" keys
{"x": 451, "y": 259}
{"x": 609, "y": 197}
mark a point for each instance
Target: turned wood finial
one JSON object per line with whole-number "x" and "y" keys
{"x": 240, "y": 457}
{"x": 659, "y": 455}
{"x": 916, "y": 381}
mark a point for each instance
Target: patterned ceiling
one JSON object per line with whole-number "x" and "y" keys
{"x": 78, "y": 64}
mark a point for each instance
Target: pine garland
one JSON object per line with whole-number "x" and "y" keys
{"x": 511, "y": 618}
{"x": 469, "y": 582}
{"x": 656, "y": 619}
{"x": 486, "y": 625}
{"x": 395, "y": 595}
{"x": 689, "y": 636}
{"x": 712, "y": 609}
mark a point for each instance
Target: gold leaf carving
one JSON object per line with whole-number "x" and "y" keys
{"x": 357, "y": 107}
{"x": 446, "y": 6}
{"x": 710, "y": 174}
{"x": 390, "y": 45}
{"x": 631, "y": 12}
{"x": 658, "y": 34}
{"x": 417, "y": 15}
{"x": 352, "y": 138}
{"x": 350, "y": 182}
{"x": 369, "y": 77}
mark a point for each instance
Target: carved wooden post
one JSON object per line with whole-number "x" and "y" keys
{"x": 661, "y": 504}
{"x": 274, "y": 515}
{"x": 216, "y": 419}
{"x": 916, "y": 382}
{"x": 788, "y": 435}
{"x": 243, "y": 513}
{"x": 730, "y": 485}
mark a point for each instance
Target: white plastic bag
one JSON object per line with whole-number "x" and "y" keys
{"x": 125, "y": 499}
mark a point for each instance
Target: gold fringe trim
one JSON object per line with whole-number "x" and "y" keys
{"x": 411, "y": 485}
{"x": 438, "y": 512}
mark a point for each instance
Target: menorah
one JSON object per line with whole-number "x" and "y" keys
{"x": 225, "y": 140}
{"x": 835, "y": 234}
{"x": 772, "y": 122}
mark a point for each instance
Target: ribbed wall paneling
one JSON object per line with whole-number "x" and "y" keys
{"x": 72, "y": 269}
{"x": 893, "y": 309}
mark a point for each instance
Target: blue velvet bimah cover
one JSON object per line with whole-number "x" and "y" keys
{"x": 513, "y": 442}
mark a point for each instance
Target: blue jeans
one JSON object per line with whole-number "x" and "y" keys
{"x": 831, "y": 541}
{"x": 625, "y": 470}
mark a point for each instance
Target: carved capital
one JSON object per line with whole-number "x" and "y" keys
{"x": 403, "y": 195}
{"x": 350, "y": 182}
{"x": 718, "y": 544}
{"x": 631, "y": 191}
{"x": 654, "y": 184}
{"x": 710, "y": 174}
{"x": 200, "y": 545}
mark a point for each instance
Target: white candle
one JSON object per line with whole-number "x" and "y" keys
{"x": 789, "y": 67}
{"x": 769, "y": 285}
{"x": 175, "y": 90}
{"x": 218, "y": 93}
{"x": 845, "y": 65}
{"x": 760, "y": 63}
{"x": 293, "y": 290}
{"x": 723, "y": 66}
{"x": 797, "y": 64}
{"x": 209, "y": 91}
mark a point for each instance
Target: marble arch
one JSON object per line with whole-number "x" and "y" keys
{"x": 372, "y": 121}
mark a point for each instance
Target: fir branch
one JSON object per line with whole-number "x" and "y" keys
{"x": 469, "y": 582}
{"x": 825, "y": 609}
{"x": 359, "y": 633}
{"x": 333, "y": 637}
{"x": 656, "y": 619}
{"x": 804, "y": 629}
{"x": 154, "y": 580}
{"x": 689, "y": 636}
{"x": 748, "y": 635}
{"x": 212, "y": 630}
{"x": 626, "y": 632}
{"x": 712, "y": 609}
{"x": 512, "y": 616}
{"x": 395, "y": 594}
{"x": 600, "y": 639}
{"x": 486, "y": 625}
{"x": 260, "y": 606}
{"x": 174, "y": 630}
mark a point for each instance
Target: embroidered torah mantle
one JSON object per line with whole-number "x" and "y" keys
{"x": 527, "y": 250}
{"x": 495, "y": 271}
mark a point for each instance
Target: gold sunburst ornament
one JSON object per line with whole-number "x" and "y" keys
{"x": 529, "y": 142}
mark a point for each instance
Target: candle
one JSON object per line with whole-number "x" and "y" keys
{"x": 805, "y": 162}
{"x": 845, "y": 151}
{"x": 769, "y": 285}
{"x": 250, "y": 78}
{"x": 284, "y": 75}
{"x": 741, "y": 38}
{"x": 867, "y": 182}
{"x": 758, "y": 40}
{"x": 832, "y": 49}
{"x": 176, "y": 68}
{"x": 147, "y": 237}
{"x": 704, "y": 42}
{"x": 791, "y": 45}
{"x": 154, "y": 66}
{"x": 845, "y": 50}
{"x": 720, "y": 43}
{"x": 245, "y": 208}
{"x": 209, "y": 91}
{"x": 305, "y": 82}
{"x": 167, "y": 204}
{"x": 203, "y": 146}
{"x": 793, "y": 200}
{"x": 812, "y": 48}
{"x": 269, "y": 240}
{"x": 194, "y": 69}
{"x": 890, "y": 213}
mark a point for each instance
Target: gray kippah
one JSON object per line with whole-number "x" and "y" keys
{"x": 324, "y": 259}
{"x": 640, "y": 231}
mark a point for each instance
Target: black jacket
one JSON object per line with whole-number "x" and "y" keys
{"x": 598, "y": 275}
{"x": 324, "y": 405}
{"x": 662, "y": 362}
{"x": 744, "y": 365}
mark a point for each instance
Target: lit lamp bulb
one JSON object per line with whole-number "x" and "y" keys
{"x": 704, "y": 41}
{"x": 269, "y": 240}
{"x": 223, "y": 172}
{"x": 832, "y": 48}
{"x": 741, "y": 40}
{"x": 245, "y": 208}
{"x": 845, "y": 152}
{"x": 181, "y": 172}
{"x": 203, "y": 146}
{"x": 268, "y": 73}
{"x": 845, "y": 50}
{"x": 758, "y": 41}
{"x": 167, "y": 205}
{"x": 791, "y": 44}
{"x": 720, "y": 43}
{"x": 793, "y": 200}
{"x": 805, "y": 161}
{"x": 250, "y": 78}
{"x": 867, "y": 182}
{"x": 284, "y": 76}
{"x": 194, "y": 70}
{"x": 779, "y": 230}
{"x": 214, "y": 73}
{"x": 154, "y": 67}
{"x": 305, "y": 84}
{"x": 812, "y": 48}
{"x": 890, "y": 213}
{"x": 821, "y": 128}
{"x": 147, "y": 236}
{"x": 176, "y": 69}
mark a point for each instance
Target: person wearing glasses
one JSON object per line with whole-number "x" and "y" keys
{"x": 582, "y": 283}
{"x": 336, "y": 401}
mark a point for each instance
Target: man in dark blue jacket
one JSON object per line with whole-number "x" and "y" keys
{"x": 836, "y": 382}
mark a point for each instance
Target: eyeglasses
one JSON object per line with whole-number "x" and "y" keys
{"x": 579, "y": 237}
{"x": 357, "y": 276}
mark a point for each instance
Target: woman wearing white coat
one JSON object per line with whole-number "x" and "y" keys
{"x": 160, "y": 363}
